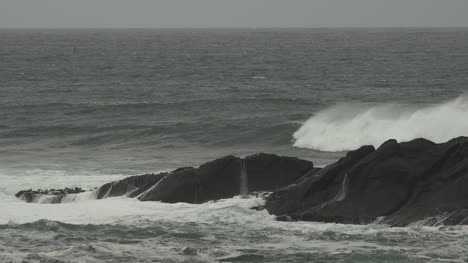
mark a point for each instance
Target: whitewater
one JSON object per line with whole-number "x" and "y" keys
{"x": 131, "y": 101}
{"x": 349, "y": 126}
{"x": 121, "y": 229}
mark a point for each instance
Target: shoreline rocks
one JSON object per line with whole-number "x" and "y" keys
{"x": 54, "y": 196}
{"x": 396, "y": 184}
{"x": 221, "y": 179}
{"x": 213, "y": 180}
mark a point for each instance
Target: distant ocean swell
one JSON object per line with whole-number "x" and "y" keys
{"x": 348, "y": 126}
{"x": 336, "y": 128}
{"x": 196, "y": 121}
{"x": 204, "y": 133}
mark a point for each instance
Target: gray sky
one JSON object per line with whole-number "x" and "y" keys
{"x": 233, "y": 13}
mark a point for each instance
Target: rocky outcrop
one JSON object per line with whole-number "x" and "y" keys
{"x": 316, "y": 188}
{"x": 131, "y": 186}
{"x": 214, "y": 180}
{"x": 398, "y": 184}
{"x": 221, "y": 178}
{"x": 51, "y": 196}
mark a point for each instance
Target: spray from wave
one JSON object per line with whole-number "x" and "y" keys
{"x": 349, "y": 126}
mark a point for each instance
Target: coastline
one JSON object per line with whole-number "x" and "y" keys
{"x": 396, "y": 184}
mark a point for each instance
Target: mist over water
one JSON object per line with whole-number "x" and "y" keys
{"x": 128, "y": 102}
{"x": 349, "y": 126}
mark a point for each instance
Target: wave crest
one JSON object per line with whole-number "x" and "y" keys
{"x": 349, "y": 126}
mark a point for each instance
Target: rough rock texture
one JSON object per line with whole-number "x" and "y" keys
{"x": 317, "y": 187}
{"x": 214, "y": 180}
{"x": 415, "y": 182}
{"x": 399, "y": 183}
{"x": 131, "y": 186}
{"x": 221, "y": 178}
{"x": 52, "y": 196}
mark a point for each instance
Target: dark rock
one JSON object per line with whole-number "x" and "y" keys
{"x": 458, "y": 217}
{"x": 415, "y": 182}
{"x": 53, "y": 196}
{"x": 315, "y": 188}
{"x": 131, "y": 186}
{"x": 221, "y": 178}
{"x": 190, "y": 251}
{"x": 218, "y": 179}
{"x": 179, "y": 186}
{"x": 399, "y": 182}
{"x": 214, "y": 180}
{"x": 441, "y": 190}
{"x": 267, "y": 172}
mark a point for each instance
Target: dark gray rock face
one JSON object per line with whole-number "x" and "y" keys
{"x": 131, "y": 186}
{"x": 214, "y": 180}
{"x": 221, "y": 178}
{"x": 180, "y": 185}
{"x": 399, "y": 183}
{"x": 317, "y": 187}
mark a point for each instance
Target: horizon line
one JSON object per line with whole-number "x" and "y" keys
{"x": 252, "y": 27}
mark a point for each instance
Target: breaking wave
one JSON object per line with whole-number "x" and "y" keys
{"x": 349, "y": 126}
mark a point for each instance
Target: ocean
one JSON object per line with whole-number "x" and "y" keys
{"x": 83, "y": 107}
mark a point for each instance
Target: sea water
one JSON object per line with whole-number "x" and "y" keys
{"x": 82, "y": 107}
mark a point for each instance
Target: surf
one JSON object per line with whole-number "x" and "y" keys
{"x": 348, "y": 126}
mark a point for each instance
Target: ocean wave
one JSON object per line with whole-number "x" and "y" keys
{"x": 226, "y": 132}
{"x": 125, "y": 230}
{"x": 349, "y": 126}
{"x": 84, "y": 107}
{"x": 130, "y": 211}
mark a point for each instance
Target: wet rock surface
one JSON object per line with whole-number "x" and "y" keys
{"x": 55, "y": 195}
{"x": 221, "y": 178}
{"x": 213, "y": 180}
{"x": 398, "y": 184}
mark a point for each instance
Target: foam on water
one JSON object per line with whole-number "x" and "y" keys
{"x": 124, "y": 229}
{"x": 122, "y": 210}
{"x": 121, "y": 229}
{"x": 349, "y": 126}
{"x": 14, "y": 181}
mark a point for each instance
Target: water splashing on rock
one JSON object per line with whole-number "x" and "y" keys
{"x": 243, "y": 179}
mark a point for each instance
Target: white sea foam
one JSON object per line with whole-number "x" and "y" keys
{"x": 14, "y": 181}
{"x": 349, "y": 126}
{"x": 220, "y": 231}
{"x": 236, "y": 230}
{"x": 83, "y": 208}
{"x": 123, "y": 210}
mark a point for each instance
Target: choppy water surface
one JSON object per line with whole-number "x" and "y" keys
{"x": 225, "y": 231}
{"x": 80, "y": 108}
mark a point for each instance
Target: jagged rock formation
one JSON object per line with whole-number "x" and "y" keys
{"x": 214, "y": 180}
{"x": 131, "y": 186}
{"x": 52, "y": 196}
{"x": 396, "y": 184}
{"x": 399, "y": 183}
{"x": 221, "y": 178}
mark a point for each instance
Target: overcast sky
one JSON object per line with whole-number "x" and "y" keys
{"x": 233, "y": 13}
